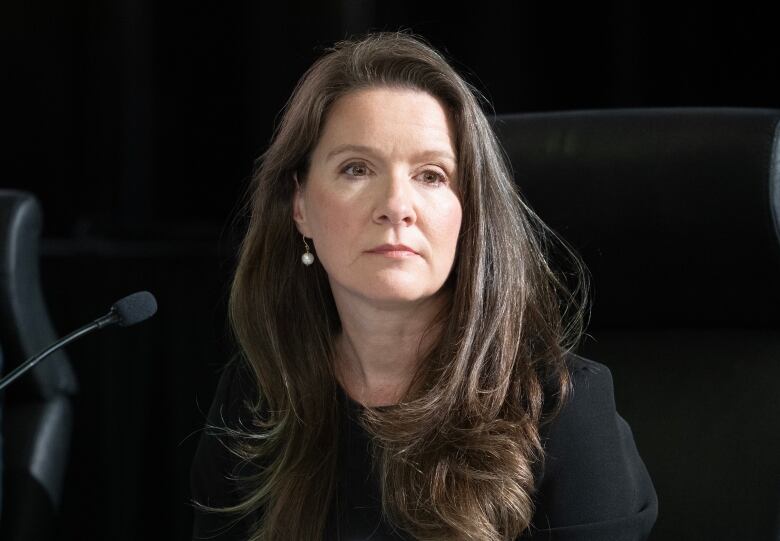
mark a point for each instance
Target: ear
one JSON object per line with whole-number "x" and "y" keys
{"x": 299, "y": 208}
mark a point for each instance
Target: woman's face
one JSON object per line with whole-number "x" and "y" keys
{"x": 383, "y": 174}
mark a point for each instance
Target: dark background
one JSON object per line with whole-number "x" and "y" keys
{"x": 136, "y": 124}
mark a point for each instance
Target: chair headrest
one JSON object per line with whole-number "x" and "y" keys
{"x": 676, "y": 211}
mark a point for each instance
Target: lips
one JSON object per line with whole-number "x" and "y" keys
{"x": 392, "y": 248}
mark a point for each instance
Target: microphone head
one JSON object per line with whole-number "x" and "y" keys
{"x": 135, "y": 308}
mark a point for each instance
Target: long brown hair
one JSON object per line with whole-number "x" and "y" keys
{"x": 457, "y": 455}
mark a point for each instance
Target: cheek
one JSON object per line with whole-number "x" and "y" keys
{"x": 443, "y": 229}
{"x": 333, "y": 219}
{"x": 448, "y": 226}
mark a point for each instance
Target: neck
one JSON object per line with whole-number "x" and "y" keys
{"x": 379, "y": 349}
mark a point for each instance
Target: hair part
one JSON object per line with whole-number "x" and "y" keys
{"x": 458, "y": 457}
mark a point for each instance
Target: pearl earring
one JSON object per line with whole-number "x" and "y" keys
{"x": 308, "y": 257}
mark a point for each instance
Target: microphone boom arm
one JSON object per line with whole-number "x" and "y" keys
{"x": 99, "y": 323}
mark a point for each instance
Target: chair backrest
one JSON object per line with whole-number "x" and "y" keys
{"x": 25, "y": 326}
{"x": 676, "y": 212}
{"x": 37, "y": 414}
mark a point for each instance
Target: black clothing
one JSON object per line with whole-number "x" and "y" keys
{"x": 594, "y": 485}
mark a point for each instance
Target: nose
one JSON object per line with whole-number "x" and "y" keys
{"x": 394, "y": 204}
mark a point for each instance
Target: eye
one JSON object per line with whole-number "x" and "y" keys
{"x": 433, "y": 177}
{"x": 358, "y": 169}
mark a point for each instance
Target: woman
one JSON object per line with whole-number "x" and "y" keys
{"x": 404, "y": 366}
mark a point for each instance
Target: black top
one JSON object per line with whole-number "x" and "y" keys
{"x": 594, "y": 485}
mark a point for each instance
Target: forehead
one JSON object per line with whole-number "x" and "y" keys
{"x": 391, "y": 118}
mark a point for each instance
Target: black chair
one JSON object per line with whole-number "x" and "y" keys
{"x": 37, "y": 412}
{"x": 676, "y": 212}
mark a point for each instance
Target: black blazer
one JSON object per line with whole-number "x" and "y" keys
{"x": 594, "y": 485}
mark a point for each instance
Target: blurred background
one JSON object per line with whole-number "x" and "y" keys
{"x": 136, "y": 124}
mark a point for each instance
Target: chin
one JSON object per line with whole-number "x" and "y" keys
{"x": 395, "y": 293}
{"x": 395, "y": 296}
{"x": 391, "y": 289}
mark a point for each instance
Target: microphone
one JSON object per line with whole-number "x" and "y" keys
{"x": 128, "y": 311}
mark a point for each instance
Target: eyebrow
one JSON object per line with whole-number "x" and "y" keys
{"x": 432, "y": 153}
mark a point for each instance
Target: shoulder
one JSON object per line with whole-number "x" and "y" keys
{"x": 591, "y": 396}
{"x": 593, "y": 473}
{"x": 582, "y": 368}
{"x": 592, "y": 393}
{"x": 587, "y": 419}
{"x": 229, "y": 408}
{"x": 236, "y": 386}
{"x": 215, "y": 465}
{"x": 214, "y": 462}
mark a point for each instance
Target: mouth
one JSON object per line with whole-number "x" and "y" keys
{"x": 393, "y": 250}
